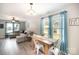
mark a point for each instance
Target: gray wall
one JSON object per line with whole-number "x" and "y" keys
{"x": 2, "y": 30}
{"x": 22, "y": 26}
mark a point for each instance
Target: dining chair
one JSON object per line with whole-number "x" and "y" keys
{"x": 38, "y": 46}
{"x": 55, "y": 48}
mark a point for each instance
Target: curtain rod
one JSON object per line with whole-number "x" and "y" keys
{"x": 54, "y": 14}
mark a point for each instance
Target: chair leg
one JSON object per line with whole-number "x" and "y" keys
{"x": 37, "y": 51}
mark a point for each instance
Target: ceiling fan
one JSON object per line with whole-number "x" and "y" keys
{"x": 13, "y": 19}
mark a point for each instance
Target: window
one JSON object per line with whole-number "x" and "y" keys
{"x": 46, "y": 26}
{"x": 16, "y": 26}
{"x": 55, "y": 27}
{"x": 11, "y": 27}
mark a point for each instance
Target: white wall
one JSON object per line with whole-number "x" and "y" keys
{"x": 73, "y": 31}
{"x": 33, "y": 24}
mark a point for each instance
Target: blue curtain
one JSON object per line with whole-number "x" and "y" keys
{"x": 64, "y": 42}
{"x": 50, "y": 26}
{"x": 41, "y": 26}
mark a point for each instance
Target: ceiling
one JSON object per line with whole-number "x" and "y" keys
{"x": 20, "y": 10}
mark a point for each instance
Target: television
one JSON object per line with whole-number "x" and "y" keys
{"x": 1, "y": 25}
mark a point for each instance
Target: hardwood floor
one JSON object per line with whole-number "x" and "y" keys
{"x": 10, "y": 47}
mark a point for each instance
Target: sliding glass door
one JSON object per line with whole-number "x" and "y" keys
{"x": 9, "y": 27}
{"x": 12, "y": 28}
{"x": 16, "y": 26}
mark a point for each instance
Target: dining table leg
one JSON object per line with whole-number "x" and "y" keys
{"x": 46, "y": 48}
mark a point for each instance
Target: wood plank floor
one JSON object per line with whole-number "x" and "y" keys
{"x": 10, "y": 47}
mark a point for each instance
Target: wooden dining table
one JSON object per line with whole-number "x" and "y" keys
{"x": 45, "y": 41}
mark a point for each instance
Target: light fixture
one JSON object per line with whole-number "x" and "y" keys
{"x": 31, "y": 12}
